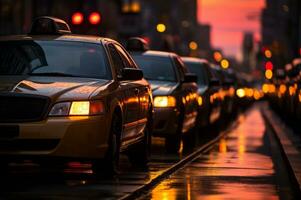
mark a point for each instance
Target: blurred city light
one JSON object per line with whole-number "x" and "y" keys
{"x": 193, "y": 45}
{"x": 257, "y": 94}
{"x": 269, "y": 74}
{"x": 282, "y": 88}
{"x": 161, "y": 28}
{"x": 200, "y": 100}
{"x": 217, "y": 56}
{"x": 135, "y": 7}
{"x": 240, "y": 92}
{"x": 94, "y": 18}
{"x": 268, "y": 53}
{"x": 249, "y": 92}
{"x": 269, "y": 65}
{"x": 265, "y": 88}
{"x": 225, "y": 64}
{"x": 77, "y": 18}
{"x": 272, "y": 88}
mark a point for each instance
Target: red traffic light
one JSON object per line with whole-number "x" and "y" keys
{"x": 77, "y": 18}
{"x": 94, "y": 18}
{"x": 269, "y": 65}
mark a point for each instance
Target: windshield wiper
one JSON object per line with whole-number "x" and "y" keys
{"x": 52, "y": 74}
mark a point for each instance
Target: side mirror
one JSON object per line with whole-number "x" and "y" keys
{"x": 214, "y": 83}
{"x": 132, "y": 74}
{"x": 190, "y": 78}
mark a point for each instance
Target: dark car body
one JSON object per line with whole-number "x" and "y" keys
{"x": 170, "y": 121}
{"x": 200, "y": 67}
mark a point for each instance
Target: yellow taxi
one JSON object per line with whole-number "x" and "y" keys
{"x": 71, "y": 96}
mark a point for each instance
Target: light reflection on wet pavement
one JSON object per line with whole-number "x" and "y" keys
{"x": 77, "y": 180}
{"x": 239, "y": 167}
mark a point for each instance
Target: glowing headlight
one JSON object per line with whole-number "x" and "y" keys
{"x": 164, "y": 101}
{"x": 200, "y": 100}
{"x": 80, "y": 108}
{"x": 77, "y": 108}
{"x": 240, "y": 93}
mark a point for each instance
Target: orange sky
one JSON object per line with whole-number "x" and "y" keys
{"x": 228, "y": 19}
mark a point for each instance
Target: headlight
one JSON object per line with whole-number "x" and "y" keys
{"x": 77, "y": 108}
{"x": 240, "y": 93}
{"x": 60, "y": 109}
{"x": 164, "y": 101}
{"x": 200, "y": 100}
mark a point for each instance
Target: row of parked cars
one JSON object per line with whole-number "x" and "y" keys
{"x": 284, "y": 92}
{"x": 81, "y": 97}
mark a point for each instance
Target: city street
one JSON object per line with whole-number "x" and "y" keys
{"x": 150, "y": 99}
{"x": 245, "y": 163}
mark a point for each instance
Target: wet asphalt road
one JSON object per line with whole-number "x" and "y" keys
{"x": 29, "y": 180}
{"x": 244, "y": 165}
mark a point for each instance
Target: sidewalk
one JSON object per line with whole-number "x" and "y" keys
{"x": 241, "y": 166}
{"x": 290, "y": 142}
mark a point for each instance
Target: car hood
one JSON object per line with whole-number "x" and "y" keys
{"x": 162, "y": 87}
{"x": 62, "y": 88}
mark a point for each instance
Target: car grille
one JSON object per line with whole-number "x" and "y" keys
{"x": 22, "y": 108}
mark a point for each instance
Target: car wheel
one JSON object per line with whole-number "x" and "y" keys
{"x": 173, "y": 142}
{"x": 110, "y": 164}
{"x": 139, "y": 153}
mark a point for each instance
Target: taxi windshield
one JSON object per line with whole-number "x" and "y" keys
{"x": 53, "y": 58}
{"x": 156, "y": 68}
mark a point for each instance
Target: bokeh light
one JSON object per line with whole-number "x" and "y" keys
{"x": 269, "y": 74}
{"x": 161, "y": 28}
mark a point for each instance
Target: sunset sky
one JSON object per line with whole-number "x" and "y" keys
{"x": 229, "y": 19}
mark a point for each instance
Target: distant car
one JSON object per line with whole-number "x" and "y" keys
{"x": 200, "y": 67}
{"x": 174, "y": 92}
{"x": 71, "y": 96}
{"x": 227, "y": 93}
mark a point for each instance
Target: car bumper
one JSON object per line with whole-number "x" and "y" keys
{"x": 74, "y": 137}
{"x": 165, "y": 121}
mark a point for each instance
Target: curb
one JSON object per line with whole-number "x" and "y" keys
{"x": 292, "y": 171}
{"x": 166, "y": 173}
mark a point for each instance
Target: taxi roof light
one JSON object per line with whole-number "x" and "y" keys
{"x": 49, "y": 26}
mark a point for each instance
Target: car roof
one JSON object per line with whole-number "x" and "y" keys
{"x": 154, "y": 53}
{"x": 194, "y": 60}
{"x": 67, "y": 37}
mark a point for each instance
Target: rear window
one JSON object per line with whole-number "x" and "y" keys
{"x": 156, "y": 68}
{"x": 200, "y": 71}
{"x": 53, "y": 58}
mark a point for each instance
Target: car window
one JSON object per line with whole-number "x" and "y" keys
{"x": 180, "y": 66}
{"x": 117, "y": 60}
{"x": 125, "y": 58}
{"x": 53, "y": 58}
{"x": 156, "y": 67}
{"x": 200, "y": 71}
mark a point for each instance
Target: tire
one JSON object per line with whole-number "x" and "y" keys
{"x": 173, "y": 142}
{"x": 110, "y": 164}
{"x": 139, "y": 153}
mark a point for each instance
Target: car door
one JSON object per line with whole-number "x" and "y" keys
{"x": 130, "y": 94}
{"x": 141, "y": 90}
{"x": 189, "y": 92}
